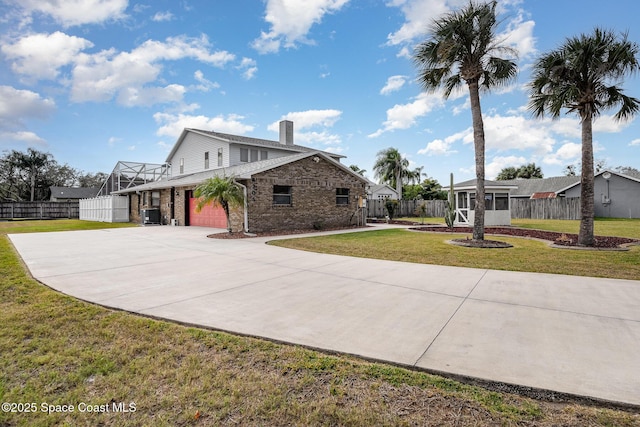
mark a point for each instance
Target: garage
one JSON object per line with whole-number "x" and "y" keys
{"x": 209, "y": 216}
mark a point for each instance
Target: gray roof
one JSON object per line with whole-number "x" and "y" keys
{"x": 73, "y": 192}
{"x": 376, "y": 187}
{"x": 556, "y": 184}
{"x": 243, "y": 171}
{"x": 487, "y": 184}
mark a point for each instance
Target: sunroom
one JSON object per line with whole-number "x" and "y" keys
{"x": 497, "y": 202}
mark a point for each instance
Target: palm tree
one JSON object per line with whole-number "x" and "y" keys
{"x": 463, "y": 49}
{"x": 582, "y": 77}
{"x": 357, "y": 170}
{"x": 391, "y": 168}
{"x": 220, "y": 191}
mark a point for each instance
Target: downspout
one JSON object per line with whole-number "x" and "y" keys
{"x": 246, "y": 213}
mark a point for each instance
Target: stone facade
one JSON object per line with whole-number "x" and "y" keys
{"x": 322, "y": 195}
{"x": 313, "y": 198}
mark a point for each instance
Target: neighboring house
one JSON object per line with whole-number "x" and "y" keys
{"x": 381, "y": 192}
{"x": 616, "y": 195}
{"x": 64, "y": 194}
{"x": 497, "y": 202}
{"x": 537, "y": 188}
{"x": 286, "y": 186}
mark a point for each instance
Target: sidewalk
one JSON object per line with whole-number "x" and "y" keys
{"x": 567, "y": 334}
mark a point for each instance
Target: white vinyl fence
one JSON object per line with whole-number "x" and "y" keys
{"x": 105, "y": 209}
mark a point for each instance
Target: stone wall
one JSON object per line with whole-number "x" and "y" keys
{"x": 313, "y": 197}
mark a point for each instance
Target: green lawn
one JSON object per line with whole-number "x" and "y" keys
{"x": 526, "y": 255}
{"x": 57, "y": 350}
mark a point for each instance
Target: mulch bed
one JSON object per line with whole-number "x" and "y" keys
{"x": 560, "y": 239}
{"x": 243, "y": 235}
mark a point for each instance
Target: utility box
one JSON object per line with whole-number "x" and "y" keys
{"x": 150, "y": 216}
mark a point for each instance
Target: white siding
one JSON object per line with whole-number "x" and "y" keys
{"x": 105, "y": 209}
{"x": 234, "y": 155}
{"x": 192, "y": 151}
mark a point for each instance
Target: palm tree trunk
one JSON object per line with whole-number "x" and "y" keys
{"x": 478, "y": 143}
{"x": 585, "y": 235}
{"x": 225, "y": 207}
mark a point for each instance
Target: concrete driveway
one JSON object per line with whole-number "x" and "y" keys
{"x": 567, "y": 334}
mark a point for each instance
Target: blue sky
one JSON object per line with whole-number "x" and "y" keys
{"x": 97, "y": 81}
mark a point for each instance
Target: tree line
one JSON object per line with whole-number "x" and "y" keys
{"x": 27, "y": 176}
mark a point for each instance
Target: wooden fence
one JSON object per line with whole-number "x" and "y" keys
{"x": 434, "y": 208}
{"x": 561, "y": 208}
{"x": 39, "y": 210}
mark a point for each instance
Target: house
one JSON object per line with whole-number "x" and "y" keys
{"x": 286, "y": 186}
{"x": 381, "y": 192}
{"x": 65, "y": 194}
{"x": 541, "y": 188}
{"x": 616, "y": 194}
{"x": 497, "y": 202}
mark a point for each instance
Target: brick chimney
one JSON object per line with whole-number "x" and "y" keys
{"x": 286, "y": 132}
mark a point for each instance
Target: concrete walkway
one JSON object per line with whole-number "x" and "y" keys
{"x": 568, "y": 334}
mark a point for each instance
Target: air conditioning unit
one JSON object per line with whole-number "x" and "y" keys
{"x": 150, "y": 216}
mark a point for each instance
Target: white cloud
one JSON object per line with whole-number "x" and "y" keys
{"x": 291, "y": 21}
{"x": 394, "y": 83}
{"x": 205, "y": 85}
{"x": 41, "y": 56}
{"x": 308, "y": 119}
{"x": 418, "y": 16}
{"x": 635, "y": 142}
{"x": 172, "y": 125}
{"x": 249, "y": 68}
{"x": 320, "y": 121}
{"x": 608, "y": 124}
{"x": 568, "y": 152}
{"x": 504, "y": 133}
{"x": 162, "y": 16}
{"x": 403, "y": 116}
{"x": 519, "y": 35}
{"x": 493, "y": 168}
{"x": 443, "y": 147}
{"x": 141, "y": 96}
{"x": 125, "y": 75}
{"x": 25, "y": 137}
{"x": 17, "y": 105}
{"x": 76, "y": 12}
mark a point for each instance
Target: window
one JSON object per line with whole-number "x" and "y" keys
{"x": 220, "y": 156}
{"x": 182, "y": 165}
{"x": 472, "y": 201}
{"x": 264, "y": 154}
{"x": 502, "y": 201}
{"x": 155, "y": 198}
{"x": 206, "y": 160}
{"x": 488, "y": 201}
{"x": 254, "y": 155}
{"x": 282, "y": 195}
{"x": 244, "y": 154}
{"x": 342, "y": 196}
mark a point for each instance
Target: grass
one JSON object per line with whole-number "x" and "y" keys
{"x": 526, "y": 255}
{"x": 59, "y": 350}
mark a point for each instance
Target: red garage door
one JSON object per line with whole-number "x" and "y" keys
{"x": 209, "y": 216}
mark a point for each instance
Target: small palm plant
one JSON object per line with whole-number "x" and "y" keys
{"x": 220, "y": 191}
